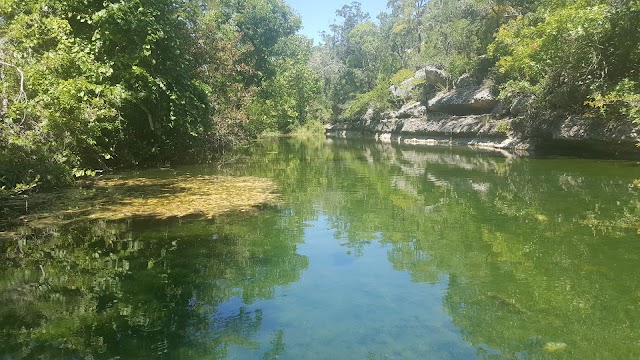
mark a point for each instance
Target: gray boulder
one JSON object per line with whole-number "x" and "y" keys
{"x": 371, "y": 116}
{"x": 464, "y": 81}
{"x": 428, "y": 75}
{"x": 500, "y": 111}
{"x": 434, "y": 76}
{"x": 405, "y": 88}
{"x": 411, "y": 110}
{"x": 468, "y": 100}
{"x": 519, "y": 106}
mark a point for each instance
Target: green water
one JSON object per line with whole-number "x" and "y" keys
{"x": 373, "y": 252}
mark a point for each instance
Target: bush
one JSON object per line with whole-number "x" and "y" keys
{"x": 378, "y": 99}
{"x": 559, "y": 56}
{"x": 26, "y": 169}
{"x": 400, "y": 76}
{"x": 310, "y": 128}
{"x": 622, "y": 100}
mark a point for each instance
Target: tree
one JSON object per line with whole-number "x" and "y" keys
{"x": 351, "y": 78}
{"x": 568, "y": 54}
{"x": 262, "y": 24}
{"x": 92, "y": 84}
{"x": 285, "y": 100}
{"x": 407, "y": 22}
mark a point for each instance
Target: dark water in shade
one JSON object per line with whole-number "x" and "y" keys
{"x": 373, "y": 252}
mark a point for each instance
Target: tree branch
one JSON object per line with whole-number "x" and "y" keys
{"x": 22, "y": 95}
{"x": 149, "y": 117}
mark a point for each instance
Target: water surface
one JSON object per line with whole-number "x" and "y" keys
{"x": 371, "y": 252}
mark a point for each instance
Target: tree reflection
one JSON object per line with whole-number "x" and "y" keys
{"x": 539, "y": 256}
{"x": 142, "y": 289}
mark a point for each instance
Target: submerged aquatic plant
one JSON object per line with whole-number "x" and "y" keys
{"x": 206, "y": 196}
{"x": 117, "y": 197}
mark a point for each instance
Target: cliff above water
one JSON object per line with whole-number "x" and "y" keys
{"x": 468, "y": 113}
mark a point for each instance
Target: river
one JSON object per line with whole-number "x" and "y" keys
{"x": 370, "y": 251}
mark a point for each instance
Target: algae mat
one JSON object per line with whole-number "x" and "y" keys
{"x": 115, "y": 198}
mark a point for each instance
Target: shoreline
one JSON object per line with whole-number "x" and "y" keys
{"x": 571, "y": 136}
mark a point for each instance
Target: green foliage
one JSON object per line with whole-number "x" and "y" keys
{"x": 90, "y": 71}
{"x": 352, "y": 59}
{"x": 24, "y": 169}
{"x": 377, "y": 99}
{"x": 565, "y": 54}
{"x": 503, "y": 127}
{"x": 549, "y": 55}
{"x": 310, "y": 128}
{"x": 100, "y": 84}
{"x": 89, "y": 84}
{"x": 622, "y": 100}
{"x": 405, "y": 28}
{"x": 284, "y": 102}
{"x": 262, "y": 24}
{"x": 457, "y": 33}
{"x": 401, "y": 75}
{"x": 450, "y": 34}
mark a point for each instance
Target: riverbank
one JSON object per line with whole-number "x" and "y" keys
{"x": 579, "y": 136}
{"x": 427, "y": 109}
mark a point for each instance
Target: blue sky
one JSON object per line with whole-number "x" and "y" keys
{"x": 317, "y": 15}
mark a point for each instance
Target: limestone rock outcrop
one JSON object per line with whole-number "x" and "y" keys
{"x": 426, "y": 75}
{"x": 468, "y": 100}
{"x": 434, "y": 76}
{"x": 411, "y": 110}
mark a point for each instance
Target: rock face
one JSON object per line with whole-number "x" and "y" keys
{"x": 411, "y": 110}
{"x": 433, "y": 124}
{"x": 426, "y": 75}
{"x": 587, "y": 136}
{"x": 519, "y": 106}
{"x": 434, "y": 76}
{"x": 433, "y": 129}
{"x": 407, "y": 87}
{"x": 465, "y": 100}
{"x": 404, "y": 89}
{"x": 582, "y": 128}
{"x": 471, "y": 126}
{"x": 471, "y": 115}
{"x": 371, "y": 116}
{"x": 573, "y": 135}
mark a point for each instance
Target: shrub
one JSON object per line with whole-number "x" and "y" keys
{"x": 377, "y": 99}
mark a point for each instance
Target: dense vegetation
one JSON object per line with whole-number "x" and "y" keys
{"x": 95, "y": 84}
{"x": 91, "y": 85}
{"x": 578, "y": 56}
